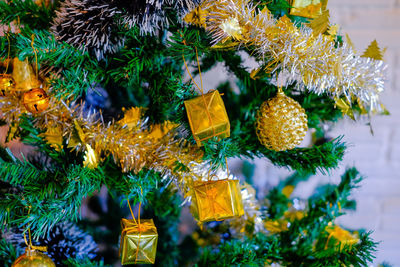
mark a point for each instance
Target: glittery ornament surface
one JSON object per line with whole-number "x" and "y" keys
{"x": 281, "y": 123}
{"x": 7, "y": 84}
{"x": 33, "y": 258}
{"x": 35, "y": 100}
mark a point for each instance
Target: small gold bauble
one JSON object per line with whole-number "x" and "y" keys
{"x": 35, "y": 100}
{"x": 33, "y": 258}
{"x": 7, "y": 84}
{"x": 281, "y": 123}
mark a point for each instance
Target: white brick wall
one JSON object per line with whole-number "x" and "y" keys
{"x": 377, "y": 157}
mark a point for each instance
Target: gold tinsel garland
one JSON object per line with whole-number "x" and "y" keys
{"x": 309, "y": 60}
{"x": 130, "y": 141}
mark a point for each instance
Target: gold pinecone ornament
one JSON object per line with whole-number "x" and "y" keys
{"x": 281, "y": 123}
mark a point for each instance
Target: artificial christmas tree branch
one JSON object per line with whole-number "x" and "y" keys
{"x": 128, "y": 59}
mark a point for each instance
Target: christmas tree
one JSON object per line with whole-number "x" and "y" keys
{"x": 121, "y": 135}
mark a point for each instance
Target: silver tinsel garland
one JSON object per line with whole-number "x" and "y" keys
{"x": 313, "y": 62}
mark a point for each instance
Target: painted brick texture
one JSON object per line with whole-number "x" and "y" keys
{"x": 376, "y": 156}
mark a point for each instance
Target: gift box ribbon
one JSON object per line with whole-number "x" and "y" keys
{"x": 206, "y": 107}
{"x": 136, "y": 226}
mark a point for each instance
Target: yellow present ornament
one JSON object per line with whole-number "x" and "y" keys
{"x": 138, "y": 240}
{"x": 207, "y": 117}
{"x": 216, "y": 200}
{"x": 206, "y": 113}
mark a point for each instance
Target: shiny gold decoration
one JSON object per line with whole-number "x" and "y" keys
{"x": 310, "y": 60}
{"x": 251, "y": 222}
{"x": 77, "y": 139}
{"x": 158, "y": 131}
{"x": 7, "y": 84}
{"x": 33, "y": 258}
{"x": 254, "y": 74}
{"x": 91, "y": 159}
{"x": 35, "y": 100}
{"x": 333, "y": 31}
{"x": 288, "y": 190}
{"x": 45, "y": 3}
{"x": 321, "y": 24}
{"x": 344, "y": 106}
{"x": 343, "y": 237}
{"x": 207, "y": 117}
{"x": 54, "y": 136}
{"x": 138, "y": 242}
{"x": 228, "y": 23}
{"x": 283, "y": 223}
{"x": 276, "y": 226}
{"x": 232, "y": 28}
{"x": 225, "y": 45}
{"x": 127, "y": 141}
{"x": 12, "y": 132}
{"x": 307, "y": 8}
{"x": 373, "y": 51}
{"x": 196, "y": 17}
{"x": 24, "y": 76}
{"x": 281, "y": 123}
{"x": 216, "y": 200}
{"x": 131, "y": 117}
{"x": 293, "y": 215}
{"x": 350, "y": 43}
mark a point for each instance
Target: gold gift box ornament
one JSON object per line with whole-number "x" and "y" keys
{"x": 216, "y": 200}
{"x": 308, "y": 8}
{"x": 207, "y": 117}
{"x": 138, "y": 241}
{"x": 206, "y": 113}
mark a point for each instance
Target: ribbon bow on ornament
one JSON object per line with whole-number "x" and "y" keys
{"x": 136, "y": 227}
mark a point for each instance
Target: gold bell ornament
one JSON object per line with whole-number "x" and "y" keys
{"x": 35, "y": 100}
{"x": 7, "y": 84}
{"x": 33, "y": 258}
{"x": 281, "y": 123}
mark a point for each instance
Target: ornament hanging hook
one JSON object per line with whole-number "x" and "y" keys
{"x": 35, "y": 52}
{"x": 8, "y": 52}
{"x": 29, "y": 244}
